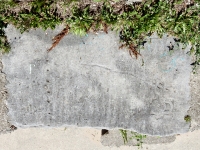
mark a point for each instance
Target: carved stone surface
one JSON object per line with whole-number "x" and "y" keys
{"x": 88, "y": 81}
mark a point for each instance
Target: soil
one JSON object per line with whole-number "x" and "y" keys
{"x": 4, "y": 124}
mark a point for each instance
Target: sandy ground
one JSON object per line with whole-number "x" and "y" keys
{"x": 82, "y": 139}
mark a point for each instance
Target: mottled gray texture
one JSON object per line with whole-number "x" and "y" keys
{"x": 89, "y": 82}
{"x": 194, "y": 110}
{"x": 4, "y": 124}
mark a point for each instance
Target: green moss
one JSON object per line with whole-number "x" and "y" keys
{"x": 187, "y": 118}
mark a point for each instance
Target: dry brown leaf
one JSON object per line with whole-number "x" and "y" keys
{"x": 59, "y": 37}
{"x": 122, "y": 46}
{"x": 105, "y": 28}
{"x": 133, "y": 51}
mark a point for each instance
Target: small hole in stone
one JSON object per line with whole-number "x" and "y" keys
{"x": 47, "y": 81}
{"x": 104, "y": 131}
{"x": 12, "y": 127}
{"x": 48, "y": 92}
{"x": 47, "y": 69}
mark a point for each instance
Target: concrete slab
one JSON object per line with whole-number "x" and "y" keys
{"x": 195, "y": 100}
{"x": 89, "y": 82}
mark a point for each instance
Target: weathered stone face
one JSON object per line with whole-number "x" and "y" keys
{"x": 87, "y": 81}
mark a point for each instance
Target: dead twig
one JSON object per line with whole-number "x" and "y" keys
{"x": 59, "y": 37}
{"x": 133, "y": 51}
{"x": 122, "y": 46}
{"x": 105, "y": 28}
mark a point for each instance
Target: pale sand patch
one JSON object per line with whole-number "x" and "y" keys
{"x": 82, "y": 139}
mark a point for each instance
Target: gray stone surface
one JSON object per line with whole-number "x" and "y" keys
{"x": 194, "y": 110}
{"x": 87, "y": 81}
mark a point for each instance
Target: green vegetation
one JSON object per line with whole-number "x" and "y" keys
{"x": 4, "y": 45}
{"x": 187, "y": 118}
{"x": 124, "y": 135}
{"x": 135, "y": 22}
{"x": 134, "y": 135}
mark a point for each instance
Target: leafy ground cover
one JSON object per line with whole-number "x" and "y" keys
{"x": 132, "y": 136}
{"x": 134, "y": 22}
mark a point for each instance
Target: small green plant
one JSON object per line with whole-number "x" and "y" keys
{"x": 4, "y": 45}
{"x": 138, "y": 137}
{"x": 80, "y": 21}
{"x": 187, "y": 118}
{"x": 124, "y": 135}
{"x": 134, "y": 135}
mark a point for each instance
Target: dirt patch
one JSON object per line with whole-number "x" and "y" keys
{"x": 4, "y": 124}
{"x": 194, "y": 111}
